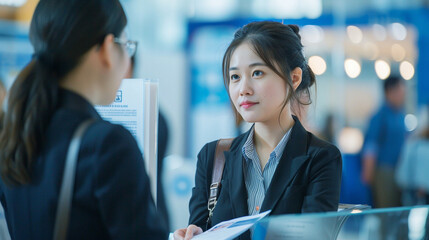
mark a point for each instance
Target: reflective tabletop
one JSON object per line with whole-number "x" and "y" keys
{"x": 359, "y": 223}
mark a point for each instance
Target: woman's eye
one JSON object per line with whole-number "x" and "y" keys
{"x": 257, "y": 73}
{"x": 234, "y": 77}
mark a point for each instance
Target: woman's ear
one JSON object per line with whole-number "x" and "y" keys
{"x": 296, "y": 76}
{"x": 105, "y": 51}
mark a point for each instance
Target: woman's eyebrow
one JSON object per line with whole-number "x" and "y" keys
{"x": 250, "y": 65}
{"x": 257, "y": 64}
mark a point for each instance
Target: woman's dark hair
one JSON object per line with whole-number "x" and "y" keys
{"x": 61, "y": 32}
{"x": 279, "y": 46}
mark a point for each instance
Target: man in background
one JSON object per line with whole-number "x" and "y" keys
{"x": 383, "y": 143}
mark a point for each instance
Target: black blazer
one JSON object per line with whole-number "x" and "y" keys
{"x": 111, "y": 199}
{"x": 307, "y": 179}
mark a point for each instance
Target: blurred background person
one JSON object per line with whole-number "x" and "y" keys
{"x": 384, "y": 139}
{"x": 328, "y": 130}
{"x": 81, "y": 55}
{"x": 412, "y": 172}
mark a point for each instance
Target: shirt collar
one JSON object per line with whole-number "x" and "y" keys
{"x": 249, "y": 147}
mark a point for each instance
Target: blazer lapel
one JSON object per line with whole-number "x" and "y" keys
{"x": 294, "y": 155}
{"x": 237, "y": 187}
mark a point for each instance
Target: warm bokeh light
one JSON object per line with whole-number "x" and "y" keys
{"x": 355, "y": 34}
{"x": 317, "y": 64}
{"x": 382, "y": 69}
{"x": 350, "y": 140}
{"x": 407, "y": 70}
{"x": 352, "y": 68}
{"x": 398, "y": 52}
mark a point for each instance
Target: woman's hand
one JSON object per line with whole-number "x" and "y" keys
{"x": 187, "y": 233}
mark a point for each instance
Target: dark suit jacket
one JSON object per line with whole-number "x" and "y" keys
{"x": 111, "y": 198}
{"x": 307, "y": 179}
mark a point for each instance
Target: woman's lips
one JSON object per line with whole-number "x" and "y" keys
{"x": 247, "y": 104}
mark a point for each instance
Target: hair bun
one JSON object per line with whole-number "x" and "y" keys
{"x": 295, "y": 29}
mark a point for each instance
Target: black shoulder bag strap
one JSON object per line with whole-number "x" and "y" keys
{"x": 67, "y": 185}
{"x": 218, "y": 165}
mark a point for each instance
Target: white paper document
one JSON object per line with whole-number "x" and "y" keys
{"x": 136, "y": 108}
{"x": 127, "y": 109}
{"x": 231, "y": 228}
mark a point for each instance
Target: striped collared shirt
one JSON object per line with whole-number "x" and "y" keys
{"x": 258, "y": 181}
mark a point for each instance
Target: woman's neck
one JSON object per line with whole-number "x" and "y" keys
{"x": 81, "y": 83}
{"x": 268, "y": 136}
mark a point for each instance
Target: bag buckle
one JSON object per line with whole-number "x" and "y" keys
{"x": 214, "y": 187}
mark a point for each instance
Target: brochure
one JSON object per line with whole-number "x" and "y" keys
{"x": 127, "y": 109}
{"x": 231, "y": 228}
{"x": 136, "y": 108}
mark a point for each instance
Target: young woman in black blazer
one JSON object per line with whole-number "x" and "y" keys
{"x": 81, "y": 55}
{"x": 277, "y": 165}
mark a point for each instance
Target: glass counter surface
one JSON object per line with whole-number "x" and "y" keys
{"x": 383, "y": 223}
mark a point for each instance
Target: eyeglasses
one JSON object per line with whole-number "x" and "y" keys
{"x": 130, "y": 46}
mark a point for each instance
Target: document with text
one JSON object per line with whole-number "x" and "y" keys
{"x": 127, "y": 109}
{"x": 231, "y": 228}
{"x": 136, "y": 108}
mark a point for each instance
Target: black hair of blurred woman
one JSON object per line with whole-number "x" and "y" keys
{"x": 279, "y": 46}
{"x": 61, "y": 32}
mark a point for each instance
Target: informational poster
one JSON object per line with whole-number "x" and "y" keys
{"x": 136, "y": 108}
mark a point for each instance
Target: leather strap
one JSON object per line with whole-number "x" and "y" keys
{"x": 67, "y": 185}
{"x": 218, "y": 165}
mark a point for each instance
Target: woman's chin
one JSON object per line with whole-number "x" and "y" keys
{"x": 250, "y": 119}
